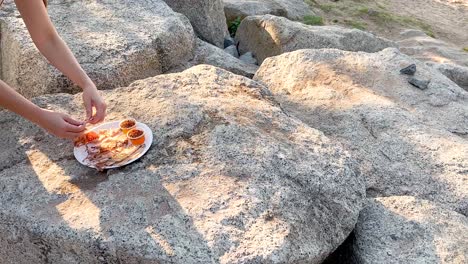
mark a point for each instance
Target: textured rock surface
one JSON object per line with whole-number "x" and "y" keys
{"x": 423, "y": 47}
{"x": 152, "y": 39}
{"x": 456, "y": 73}
{"x": 248, "y": 58}
{"x": 403, "y": 229}
{"x": 450, "y": 60}
{"x": 207, "y": 18}
{"x": 292, "y": 9}
{"x": 407, "y": 141}
{"x": 232, "y": 50}
{"x": 230, "y": 179}
{"x": 206, "y": 53}
{"x": 269, "y": 35}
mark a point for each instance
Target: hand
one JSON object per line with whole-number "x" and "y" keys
{"x": 92, "y": 99}
{"x": 60, "y": 125}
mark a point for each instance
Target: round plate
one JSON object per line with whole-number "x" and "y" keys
{"x": 80, "y": 152}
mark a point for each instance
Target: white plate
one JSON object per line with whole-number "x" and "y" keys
{"x": 80, "y": 152}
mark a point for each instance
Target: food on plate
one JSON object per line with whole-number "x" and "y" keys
{"x": 127, "y": 124}
{"x": 136, "y": 136}
{"x": 108, "y": 147}
{"x": 86, "y": 138}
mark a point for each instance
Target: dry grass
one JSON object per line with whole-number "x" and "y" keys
{"x": 365, "y": 15}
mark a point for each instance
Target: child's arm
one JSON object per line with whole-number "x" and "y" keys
{"x": 50, "y": 44}
{"x": 58, "y": 124}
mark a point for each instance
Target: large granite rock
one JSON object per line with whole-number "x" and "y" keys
{"x": 291, "y": 9}
{"x": 449, "y": 59}
{"x": 456, "y": 73}
{"x": 404, "y": 229}
{"x": 407, "y": 141}
{"x": 206, "y": 53}
{"x": 116, "y": 43}
{"x": 230, "y": 178}
{"x": 207, "y": 18}
{"x": 269, "y": 35}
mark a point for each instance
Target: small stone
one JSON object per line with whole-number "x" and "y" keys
{"x": 232, "y": 50}
{"x": 410, "y": 70}
{"x": 228, "y": 41}
{"x": 269, "y": 216}
{"x": 248, "y": 58}
{"x": 421, "y": 84}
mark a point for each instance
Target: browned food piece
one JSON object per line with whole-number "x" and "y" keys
{"x": 128, "y": 123}
{"x": 86, "y": 138}
{"x": 135, "y": 133}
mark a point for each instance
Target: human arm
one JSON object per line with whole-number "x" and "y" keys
{"x": 58, "y": 124}
{"x": 51, "y": 45}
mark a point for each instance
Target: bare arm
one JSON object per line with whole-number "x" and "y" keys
{"x": 51, "y": 45}
{"x": 58, "y": 124}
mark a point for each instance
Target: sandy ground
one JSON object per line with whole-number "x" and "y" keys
{"x": 444, "y": 19}
{"x": 448, "y": 18}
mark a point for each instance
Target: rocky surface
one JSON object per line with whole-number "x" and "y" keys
{"x": 291, "y": 9}
{"x": 409, "y": 70}
{"x": 404, "y": 229}
{"x": 206, "y": 53}
{"x": 422, "y": 84}
{"x": 151, "y": 40}
{"x": 230, "y": 178}
{"x": 248, "y": 58}
{"x": 207, "y": 18}
{"x": 407, "y": 141}
{"x": 456, "y": 73}
{"x": 269, "y": 35}
{"x": 425, "y": 48}
{"x": 232, "y": 50}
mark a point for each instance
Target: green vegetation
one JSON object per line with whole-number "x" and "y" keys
{"x": 364, "y": 14}
{"x": 465, "y": 49}
{"x": 324, "y": 7}
{"x": 313, "y": 20}
{"x": 234, "y": 25}
{"x": 363, "y": 10}
{"x": 355, "y": 24}
{"x": 384, "y": 18}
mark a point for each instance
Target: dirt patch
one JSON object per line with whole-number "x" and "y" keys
{"x": 443, "y": 19}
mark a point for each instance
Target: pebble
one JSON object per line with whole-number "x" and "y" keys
{"x": 410, "y": 70}
{"x": 421, "y": 84}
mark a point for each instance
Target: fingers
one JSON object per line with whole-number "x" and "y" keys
{"x": 100, "y": 113}
{"x": 71, "y": 135}
{"x": 73, "y": 126}
{"x": 72, "y": 121}
{"x": 75, "y": 129}
{"x": 89, "y": 108}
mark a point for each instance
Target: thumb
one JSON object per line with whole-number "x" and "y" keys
{"x": 88, "y": 107}
{"x": 72, "y": 121}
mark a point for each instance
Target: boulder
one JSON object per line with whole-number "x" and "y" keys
{"x": 207, "y": 18}
{"x": 423, "y": 47}
{"x": 269, "y": 35}
{"x": 230, "y": 178}
{"x": 152, "y": 40}
{"x": 407, "y": 141}
{"x": 248, "y": 58}
{"x": 232, "y": 50}
{"x": 206, "y": 53}
{"x": 404, "y": 229}
{"x": 291, "y": 9}
{"x": 456, "y": 73}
